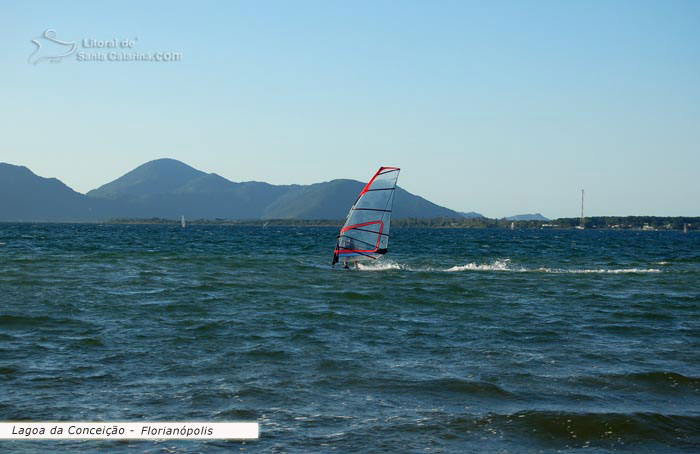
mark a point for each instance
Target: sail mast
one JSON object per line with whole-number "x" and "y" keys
{"x": 581, "y": 209}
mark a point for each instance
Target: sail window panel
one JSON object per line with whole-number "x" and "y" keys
{"x": 384, "y": 181}
{"x": 359, "y": 240}
{"x": 387, "y": 215}
{"x": 372, "y": 226}
{"x": 376, "y": 200}
{"x": 386, "y": 228}
{"x": 362, "y": 216}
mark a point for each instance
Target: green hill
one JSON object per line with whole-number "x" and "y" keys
{"x": 167, "y": 188}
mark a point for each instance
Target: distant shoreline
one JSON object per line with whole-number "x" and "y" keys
{"x": 636, "y": 223}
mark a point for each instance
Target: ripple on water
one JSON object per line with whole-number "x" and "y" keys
{"x": 460, "y": 341}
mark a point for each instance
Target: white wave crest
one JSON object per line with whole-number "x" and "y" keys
{"x": 603, "y": 271}
{"x": 498, "y": 265}
{"x": 381, "y": 266}
{"x": 504, "y": 265}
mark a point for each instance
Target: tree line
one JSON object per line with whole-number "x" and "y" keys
{"x": 593, "y": 222}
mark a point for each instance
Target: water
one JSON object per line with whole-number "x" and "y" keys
{"x": 461, "y": 341}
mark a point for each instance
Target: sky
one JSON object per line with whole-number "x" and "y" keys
{"x": 502, "y": 107}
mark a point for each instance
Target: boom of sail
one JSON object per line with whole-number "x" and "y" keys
{"x": 365, "y": 234}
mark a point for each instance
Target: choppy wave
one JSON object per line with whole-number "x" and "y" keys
{"x": 601, "y": 271}
{"x": 577, "y": 429}
{"x": 505, "y": 265}
{"x": 501, "y": 265}
{"x": 664, "y": 381}
{"x": 382, "y": 266}
{"x": 467, "y": 345}
{"x": 8, "y": 321}
{"x": 534, "y": 430}
{"x": 456, "y": 385}
{"x": 496, "y": 265}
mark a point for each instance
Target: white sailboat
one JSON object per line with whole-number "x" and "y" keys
{"x": 581, "y": 224}
{"x": 182, "y": 222}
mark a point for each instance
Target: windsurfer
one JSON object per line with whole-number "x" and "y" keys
{"x": 368, "y": 221}
{"x": 347, "y": 267}
{"x": 349, "y": 245}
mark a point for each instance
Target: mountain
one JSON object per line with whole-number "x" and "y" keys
{"x": 471, "y": 215}
{"x": 25, "y": 196}
{"x": 527, "y": 217}
{"x": 167, "y": 188}
{"x": 157, "y": 177}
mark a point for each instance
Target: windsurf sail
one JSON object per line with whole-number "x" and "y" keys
{"x": 365, "y": 234}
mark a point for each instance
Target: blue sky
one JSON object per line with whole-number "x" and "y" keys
{"x": 498, "y": 107}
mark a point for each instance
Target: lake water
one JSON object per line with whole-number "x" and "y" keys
{"x": 457, "y": 341}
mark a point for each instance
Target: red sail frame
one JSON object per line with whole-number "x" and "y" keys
{"x": 364, "y": 224}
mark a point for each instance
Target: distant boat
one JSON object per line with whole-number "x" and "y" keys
{"x": 265, "y": 224}
{"x": 365, "y": 234}
{"x": 182, "y": 222}
{"x": 581, "y": 225}
{"x": 685, "y": 228}
{"x": 512, "y": 225}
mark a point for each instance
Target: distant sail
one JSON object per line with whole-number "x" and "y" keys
{"x": 182, "y": 222}
{"x": 365, "y": 235}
